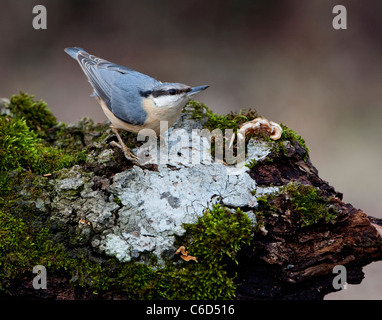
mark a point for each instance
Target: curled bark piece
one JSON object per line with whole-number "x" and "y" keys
{"x": 184, "y": 254}
{"x": 182, "y": 250}
{"x": 270, "y": 128}
{"x": 188, "y": 258}
{"x": 276, "y": 131}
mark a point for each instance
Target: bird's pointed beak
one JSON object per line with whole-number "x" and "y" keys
{"x": 196, "y": 90}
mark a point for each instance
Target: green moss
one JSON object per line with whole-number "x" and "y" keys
{"x": 17, "y": 144}
{"x": 200, "y": 282}
{"x": 53, "y": 159}
{"x": 214, "y": 240}
{"x": 197, "y": 110}
{"x": 132, "y": 280}
{"x": 22, "y": 247}
{"x": 263, "y": 202}
{"x": 22, "y": 140}
{"x": 290, "y": 135}
{"x": 117, "y": 201}
{"x": 5, "y": 188}
{"x": 219, "y": 233}
{"x": 251, "y": 163}
{"x": 303, "y": 201}
{"x": 20, "y": 147}
{"x": 36, "y": 113}
{"x": 310, "y": 205}
{"x": 278, "y": 147}
{"x": 140, "y": 281}
{"x": 200, "y": 111}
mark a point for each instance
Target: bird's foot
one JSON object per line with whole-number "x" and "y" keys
{"x": 126, "y": 151}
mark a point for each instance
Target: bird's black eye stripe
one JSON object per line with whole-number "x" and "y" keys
{"x": 145, "y": 94}
{"x": 158, "y": 93}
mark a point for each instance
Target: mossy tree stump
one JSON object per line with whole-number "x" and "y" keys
{"x": 63, "y": 197}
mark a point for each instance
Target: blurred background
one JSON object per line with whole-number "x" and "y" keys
{"x": 282, "y": 58}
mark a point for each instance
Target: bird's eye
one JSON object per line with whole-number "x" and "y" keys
{"x": 172, "y": 91}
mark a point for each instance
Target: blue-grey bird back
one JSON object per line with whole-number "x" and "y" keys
{"x": 119, "y": 87}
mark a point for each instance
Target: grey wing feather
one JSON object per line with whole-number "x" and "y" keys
{"x": 117, "y": 86}
{"x": 89, "y": 66}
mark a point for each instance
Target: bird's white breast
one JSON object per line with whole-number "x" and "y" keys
{"x": 156, "y": 114}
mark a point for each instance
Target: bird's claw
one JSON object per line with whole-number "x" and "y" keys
{"x": 128, "y": 154}
{"x": 115, "y": 144}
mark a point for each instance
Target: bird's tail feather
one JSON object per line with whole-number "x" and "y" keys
{"x": 72, "y": 51}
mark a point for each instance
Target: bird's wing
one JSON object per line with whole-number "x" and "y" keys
{"x": 118, "y": 86}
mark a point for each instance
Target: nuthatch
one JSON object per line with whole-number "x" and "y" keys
{"x": 131, "y": 100}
